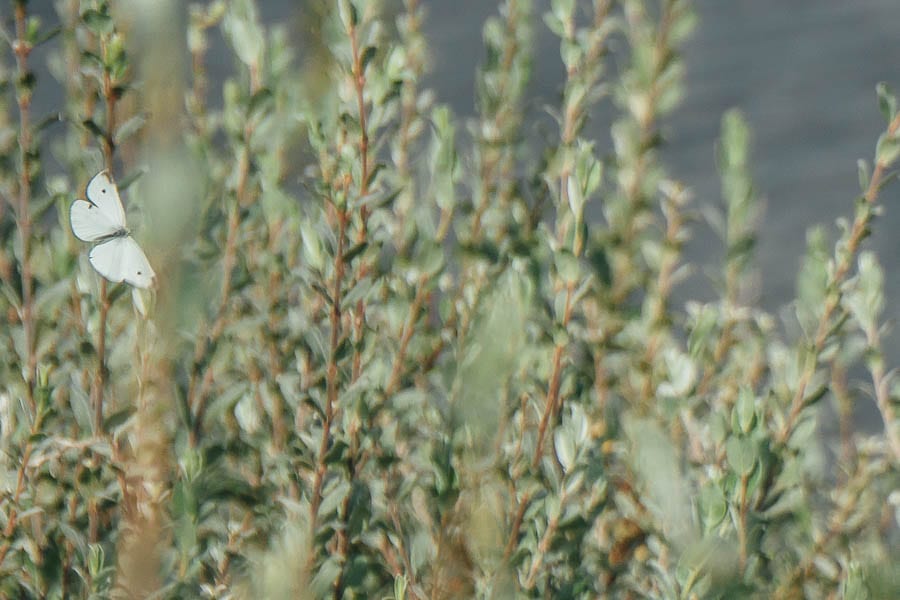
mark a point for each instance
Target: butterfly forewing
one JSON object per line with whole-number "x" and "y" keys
{"x": 102, "y": 193}
{"x": 121, "y": 259}
{"x": 90, "y": 224}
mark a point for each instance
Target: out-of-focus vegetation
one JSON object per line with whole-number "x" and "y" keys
{"x": 388, "y": 354}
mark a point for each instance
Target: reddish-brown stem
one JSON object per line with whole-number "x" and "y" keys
{"x": 359, "y": 83}
{"x": 551, "y": 407}
{"x": 492, "y": 158}
{"x": 836, "y": 529}
{"x": 12, "y": 519}
{"x": 881, "y": 383}
{"x": 570, "y": 126}
{"x": 109, "y": 96}
{"x": 544, "y": 545}
{"x": 100, "y": 375}
{"x": 858, "y": 232}
{"x": 437, "y": 578}
{"x": 513, "y": 540}
{"x": 331, "y": 373}
{"x": 22, "y": 49}
{"x": 199, "y": 385}
{"x": 845, "y": 413}
{"x": 552, "y": 403}
{"x": 405, "y": 337}
{"x": 408, "y": 113}
{"x": 359, "y": 314}
{"x": 742, "y": 521}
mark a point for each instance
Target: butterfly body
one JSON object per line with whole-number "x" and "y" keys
{"x": 101, "y": 219}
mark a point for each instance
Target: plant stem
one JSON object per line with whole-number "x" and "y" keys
{"x": 881, "y": 382}
{"x": 858, "y": 232}
{"x": 587, "y": 73}
{"x": 331, "y": 374}
{"x": 551, "y": 406}
{"x": 742, "y": 522}
{"x": 359, "y": 84}
{"x": 12, "y": 518}
{"x": 406, "y": 336}
{"x": 544, "y": 545}
{"x": 202, "y": 379}
{"x": 22, "y": 49}
{"x": 497, "y": 154}
{"x": 108, "y": 150}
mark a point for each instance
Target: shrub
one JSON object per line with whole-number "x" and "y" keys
{"x": 390, "y": 354}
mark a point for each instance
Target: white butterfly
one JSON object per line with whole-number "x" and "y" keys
{"x": 101, "y": 218}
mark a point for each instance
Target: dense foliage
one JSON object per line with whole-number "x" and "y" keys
{"x": 391, "y": 353}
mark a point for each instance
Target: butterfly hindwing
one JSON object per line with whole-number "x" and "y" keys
{"x": 121, "y": 259}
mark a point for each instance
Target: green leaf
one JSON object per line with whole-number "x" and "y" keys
{"x": 259, "y": 101}
{"x": 554, "y": 24}
{"x": 564, "y": 443}
{"x": 567, "y": 266}
{"x": 348, "y": 14}
{"x": 126, "y": 181}
{"x": 46, "y": 36}
{"x": 887, "y": 101}
{"x": 95, "y": 129}
{"x": 744, "y": 412}
{"x": 713, "y": 505}
{"x": 430, "y": 260}
{"x": 332, "y": 497}
{"x": 742, "y": 454}
{"x": 355, "y": 251}
{"x": 81, "y": 410}
{"x": 368, "y": 54}
{"x": 887, "y": 150}
{"x": 118, "y": 418}
{"x": 400, "y": 585}
{"x": 326, "y": 574}
{"x": 864, "y": 294}
{"x": 129, "y": 128}
{"x": 854, "y": 586}
{"x": 99, "y": 23}
{"x": 563, "y": 9}
{"x": 242, "y": 29}
{"x": 862, "y": 169}
{"x": 91, "y": 59}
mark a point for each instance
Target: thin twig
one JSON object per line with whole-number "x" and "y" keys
{"x": 22, "y": 49}
{"x": 331, "y": 373}
{"x": 359, "y": 84}
{"x": 570, "y": 126}
{"x": 858, "y": 232}
{"x": 12, "y": 518}
{"x": 881, "y": 382}
{"x": 406, "y": 336}
{"x": 201, "y": 379}
{"x": 108, "y": 150}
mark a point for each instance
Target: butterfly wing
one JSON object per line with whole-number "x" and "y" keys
{"x": 102, "y": 193}
{"x": 89, "y": 223}
{"x": 121, "y": 259}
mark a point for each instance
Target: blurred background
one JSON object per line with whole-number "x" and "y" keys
{"x": 804, "y": 73}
